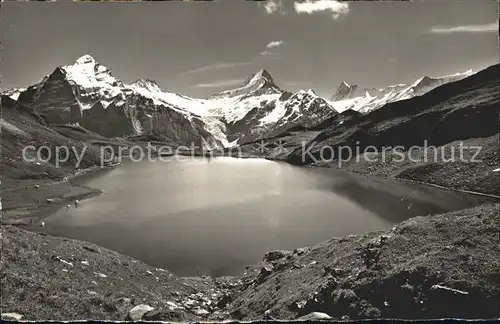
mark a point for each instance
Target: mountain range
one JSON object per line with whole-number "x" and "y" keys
{"x": 367, "y": 99}
{"x": 86, "y": 93}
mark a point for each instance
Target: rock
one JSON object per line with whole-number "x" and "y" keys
{"x": 64, "y": 261}
{"x": 267, "y": 315}
{"x": 84, "y": 262}
{"x": 369, "y": 312}
{"x": 265, "y": 271}
{"x": 163, "y": 315}
{"x": 452, "y": 290}
{"x": 314, "y": 316}
{"x": 300, "y": 251}
{"x": 200, "y": 311}
{"x": 173, "y": 306}
{"x": 37, "y": 186}
{"x": 299, "y": 304}
{"x": 344, "y": 296}
{"x": 224, "y": 301}
{"x": 336, "y": 272}
{"x": 219, "y": 316}
{"x": 275, "y": 255}
{"x": 50, "y": 200}
{"x": 122, "y": 305}
{"x": 102, "y": 275}
{"x": 92, "y": 249}
{"x": 136, "y": 313}
{"x": 189, "y": 303}
{"x": 12, "y": 317}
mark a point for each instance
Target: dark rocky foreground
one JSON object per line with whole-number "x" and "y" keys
{"x": 439, "y": 266}
{"x": 51, "y": 278}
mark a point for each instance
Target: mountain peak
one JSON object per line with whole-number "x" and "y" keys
{"x": 261, "y": 75}
{"x": 85, "y": 59}
{"x": 347, "y": 91}
{"x": 149, "y": 84}
{"x": 256, "y": 84}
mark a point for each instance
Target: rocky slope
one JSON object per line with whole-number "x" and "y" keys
{"x": 50, "y": 278}
{"x": 439, "y": 266}
{"x": 22, "y": 127}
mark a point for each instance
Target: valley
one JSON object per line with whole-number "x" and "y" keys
{"x": 423, "y": 246}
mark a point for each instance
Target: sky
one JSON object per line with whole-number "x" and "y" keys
{"x": 202, "y": 48}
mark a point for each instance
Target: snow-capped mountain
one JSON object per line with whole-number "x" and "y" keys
{"x": 368, "y": 99}
{"x": 347, "y": 91}
{"x": 259, "y": 83}
{"x": 86, "y": 93}
{"x": 259, "y": 106}
{"x": 12, "y": 93}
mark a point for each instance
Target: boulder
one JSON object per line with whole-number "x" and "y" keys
{"x": 276, "y": 255}
{"x": 314, "y": 316}
{"x": 163, "y": 315}
{"x": 200, "y": 311}
{"x": 12, "y": 317}
{"x": 136, "y": 313}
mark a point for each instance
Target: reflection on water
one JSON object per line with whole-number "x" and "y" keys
{"x": 217, "y": 216}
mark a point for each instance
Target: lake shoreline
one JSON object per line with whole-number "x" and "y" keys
{"x": 49, "y": 209}
{"x": 41, "y": 199}
{"x": 43, "y": 209}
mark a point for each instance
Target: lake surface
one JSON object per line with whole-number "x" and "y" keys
{"x": 215, "y": 216}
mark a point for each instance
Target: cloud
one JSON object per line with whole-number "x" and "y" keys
{"x": 273, "y": 6}
{"x": 491, "y": 27}
{"x": 220, "y": 84}
{"x": 310, "y": 7}
{"x": 275, "y": 44}
{"x": 216, "y": 66}
{"x": 264, "y": 53}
